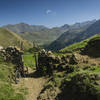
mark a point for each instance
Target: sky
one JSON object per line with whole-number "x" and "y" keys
{"x": 50, "y": 13}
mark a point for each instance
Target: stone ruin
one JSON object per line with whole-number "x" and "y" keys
{"x": 14, "y": 55}
{"x": 47, "y": 62}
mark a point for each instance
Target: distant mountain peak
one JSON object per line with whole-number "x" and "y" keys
{"x": 24, "y": 27}
{"x": 78, "y": 24}
{"x": 66, "y": 26}
{"x": 76, "y": 34}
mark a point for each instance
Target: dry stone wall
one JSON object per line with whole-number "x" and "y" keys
{"x": 47, "y": 62}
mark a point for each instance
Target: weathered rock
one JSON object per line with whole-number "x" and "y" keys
{"x": 73, "y": 60}
{"x": 69, "y": 59}
{"x": 49, "y": 93}
{"x": 64, "y": 59}
{"x": 47, "y": 62}
{"x": 49, "y": 53}
{"x": 61, "y": 67}
{"x": 97, "y": 77}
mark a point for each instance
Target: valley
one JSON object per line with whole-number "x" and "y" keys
{"x": 49, "y": 49}
{"x": 42, "y": 35}
{"x": 67, "y": 64}
{"x": 72, "y": 71}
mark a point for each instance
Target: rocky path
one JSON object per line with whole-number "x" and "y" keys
{"x": 33, "y": 83}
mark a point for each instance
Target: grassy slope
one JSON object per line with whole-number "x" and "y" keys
{"x": 59, "y": 78}
{"x": 8, "y": 38}
{"x": 62, "y": 79}
{"x": 6, "y": 90}
{"x": 65, "y": 39}
{"x": 81, "y": 44}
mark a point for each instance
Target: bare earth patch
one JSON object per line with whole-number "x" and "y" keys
{"x": 33, "y": 84}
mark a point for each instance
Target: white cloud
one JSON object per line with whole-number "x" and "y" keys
{"x": 48, "y": 11}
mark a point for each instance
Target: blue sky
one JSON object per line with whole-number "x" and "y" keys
{"x": 48, "y": 12}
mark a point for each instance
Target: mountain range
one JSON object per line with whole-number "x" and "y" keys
{"x": 23, "y": 27}
{"x": 42, "y": 35}
{"x": 72, "y": 36}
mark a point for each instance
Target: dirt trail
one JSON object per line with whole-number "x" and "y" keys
{"x": 33, "y": 83}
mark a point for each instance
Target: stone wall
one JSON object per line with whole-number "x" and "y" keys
{"x": 14, "y": 55}
{"x": 48, "y": 62}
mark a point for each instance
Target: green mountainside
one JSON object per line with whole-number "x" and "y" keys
{"x": 75, "y": 72}
{"x": 23, "y": 27}
{"x": 81, "y": 44}
{"x": 8, "y": 38}
{"x": 90, "y": 46}
{"x": 70, "y": 73}
{"x": 74, "y": 36}
{"x": 39, "y": 34}
{"x": 43, "y": 35}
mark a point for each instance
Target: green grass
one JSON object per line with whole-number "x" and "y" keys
{"x": 24, "y": 91}
{"x": 6, "y": 90}
{"x": 29, "y": 60}
{"x": 81, "y": 44}
{"x": 8, "y": 93}
{"x": 75, "y": 46}
{"x": 97, "y": 69}
{"x": 59, "y": 77}
{"x": 8, "y": 38}
{"x": 91, "y": 69}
